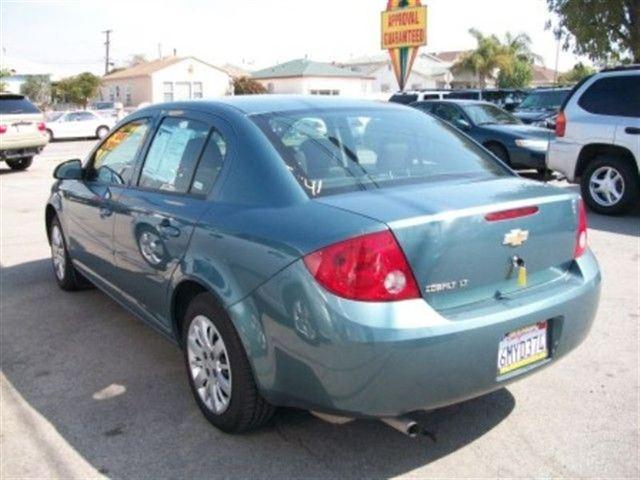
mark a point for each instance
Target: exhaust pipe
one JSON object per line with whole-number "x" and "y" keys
{"x": 404, "y": 425}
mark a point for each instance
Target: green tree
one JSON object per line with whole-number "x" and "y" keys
{"x": 577, "y": 73}
{"x": 38, "y": 89}
{"x": 604, "y": 30}
{"x": 247, "y": 86}
{"x": 489, "y": 56}
{"x": 5, "y": 72}
{"x": 519, "y": 75}
{"x": 78, "y": 89}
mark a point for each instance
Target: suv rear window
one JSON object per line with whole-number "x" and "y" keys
{"x": 13, "y": 105}
{"x": 344, "y": 149}
{"x": 619, "y": 96}
{"x": 403, "y": 98}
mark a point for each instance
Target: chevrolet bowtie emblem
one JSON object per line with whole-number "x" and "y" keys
{"x": 515, "y": 237}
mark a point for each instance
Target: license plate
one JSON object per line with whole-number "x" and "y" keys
{"x": 522, "y": 347}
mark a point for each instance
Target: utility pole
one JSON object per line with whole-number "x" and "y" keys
{"x": 107, "y": 44}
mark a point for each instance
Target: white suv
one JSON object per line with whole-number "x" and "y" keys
{"x": 598, "y": 139}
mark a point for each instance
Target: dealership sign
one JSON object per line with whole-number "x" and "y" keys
{"x": 404, "y": 30}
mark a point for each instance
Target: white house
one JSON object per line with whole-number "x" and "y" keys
{"x": 307, "y": 77}
{"x": 427, "y": 72}
{"x": 166, "y": 80}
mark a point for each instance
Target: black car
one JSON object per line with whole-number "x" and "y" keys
{"x": 541, "y": 106}
{"x": 516, "y": 144}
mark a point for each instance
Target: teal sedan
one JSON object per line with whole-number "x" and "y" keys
{"x": 351, "y": 258}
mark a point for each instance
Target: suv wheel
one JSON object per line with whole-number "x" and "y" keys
{"x": 20, "y": 163}
{"x": 219, "y": 374}
{"x": 610, "y": 185}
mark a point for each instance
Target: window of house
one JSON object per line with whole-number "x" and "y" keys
{"x": 197, "y": 89}
{"x": 114, "y": 161}
{"x": 117, "y": 91}
{"x": 127, "y": 95}
{"x": 167, "y": 91}
{"x": 270, "y": 87}
{"x": 112, "y": 96}
{"x": 210, "y": 164}
{"x": 173, "y": 155}
{"x": 385, "y": 87}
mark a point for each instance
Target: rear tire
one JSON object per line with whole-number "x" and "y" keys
{"x": 610, "y": 185}
{"x": 499, "y": 151}
{"x": 102, "y": 132}
{"x": 20, "y": 163}
{"x": 228, "y": 398}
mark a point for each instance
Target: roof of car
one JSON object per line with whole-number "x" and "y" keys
{"x": 256, "y": 104}
{"x": 459, "y": 101}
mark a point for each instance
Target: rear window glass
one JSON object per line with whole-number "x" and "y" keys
{"x": 14, "y": 106}
{"x": 544, "y": 100}
{"x": 342, "y": 150}
{"x": 619, "y": 96}
{"x": 403, "y": 98}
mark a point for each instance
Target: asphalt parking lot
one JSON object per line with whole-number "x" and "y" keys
{"x": 88, "y": 390}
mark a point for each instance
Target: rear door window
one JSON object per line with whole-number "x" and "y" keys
{"x": 210, "y": 164}
{"x": 14, "y": 105}
{"x": 173, "y": 155}
{"x": 617, "y": 96}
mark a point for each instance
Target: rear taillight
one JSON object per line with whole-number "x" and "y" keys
{"x": 3, "y": 128}
{"x": 41, "y": 126}
{"x": 561, "y": 124}
{"x": 370, "y": 268}
{"x": 581, "y": 232}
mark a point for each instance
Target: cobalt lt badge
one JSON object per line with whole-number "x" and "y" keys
{"x": 404, "y": 30}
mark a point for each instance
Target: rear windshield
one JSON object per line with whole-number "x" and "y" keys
{"x": 15, "y": 105}
{"x": 404, "y": 98}
{"x": 547, "y": 100}
{"x": 342, "y": 150}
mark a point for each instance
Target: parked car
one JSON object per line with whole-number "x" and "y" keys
{"x": 410, "y": 96}
{"x": 366, "y": 274}
{"x": 516, "y": 144}
{"x": 80, "y": 124}
{"x": 508, "y": 98}
{"x": 22, "y": 131}
{"x": 541, "y": 106}
{"x": 598, "y": 139}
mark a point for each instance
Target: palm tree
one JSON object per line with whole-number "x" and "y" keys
{"x": 489, "y": 56}
{"x": 519, "y": 47}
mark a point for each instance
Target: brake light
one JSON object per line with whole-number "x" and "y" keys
{"x": 509, "y": 214}
{"x": 371, "y": 268}
{"x": 3, "y": 128}
{"x": 41, "y": 126}
{"x": 581, "y": 233}
{"x": 561, "y": 124}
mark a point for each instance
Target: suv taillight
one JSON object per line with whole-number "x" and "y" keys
{"x": 561, "y": 124}
{"x": 581, "y": 232}
{"x": 369, "y": 268}
{"x": 3, "y": 128}
{"x": 41, "y": 126}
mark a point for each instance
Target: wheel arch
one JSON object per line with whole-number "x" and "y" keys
{"x": 49, "y": 214}
{"x": 183, "y": 293}
{"x": 593, "y": 150}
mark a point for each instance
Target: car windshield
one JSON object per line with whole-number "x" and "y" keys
{"x": 53, "y": 116}
{"x": 11, "y": 105}
{"x": 482, "y": 114}
{"x": 342, "y": 150}
{"x": 548, "y": 100}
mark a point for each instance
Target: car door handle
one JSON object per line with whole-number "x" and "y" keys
{"x": 167, "y": 229}
{"x": 105, "y": 212}
{"x": 632, "y": 130}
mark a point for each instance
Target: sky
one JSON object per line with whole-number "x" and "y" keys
{"x": 67, "y": 35}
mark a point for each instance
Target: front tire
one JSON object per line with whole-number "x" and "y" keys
{"x": 610, "y": 186}
{"x": 499, "y": 151}
{"x": 219, "y": 373}
{"x": 20, "y": 163}
{"x": 64, "y": 272}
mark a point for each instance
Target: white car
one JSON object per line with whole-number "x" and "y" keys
{"x": 80, "y": 124}
{"x": 598, "y": 139}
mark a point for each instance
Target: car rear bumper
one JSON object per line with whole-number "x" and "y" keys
{"x": 562, "y": 157}
{"x": 14, "y": 148}
{"x": 312, "y": 350}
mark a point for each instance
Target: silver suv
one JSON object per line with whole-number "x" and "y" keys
{"x": 598, "y": 139}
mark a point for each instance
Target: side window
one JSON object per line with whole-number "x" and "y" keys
{"x": 173, "y": 155}
{"x": 211, "y": 163}
{"x": 618, "y": 96}
{"x": 114, "y": 161}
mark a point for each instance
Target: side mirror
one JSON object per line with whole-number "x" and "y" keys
{"x": 462, "y": 124}
{"x": 69, "y": 170}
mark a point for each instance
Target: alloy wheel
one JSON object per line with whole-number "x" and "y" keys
{"x": 606, "y": 186}
{"x": 58, "y": 254}
{"x": 209, "y": 365}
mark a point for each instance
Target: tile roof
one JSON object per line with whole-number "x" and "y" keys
{"x": 305, "y": 68}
